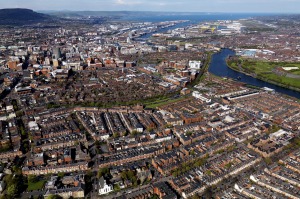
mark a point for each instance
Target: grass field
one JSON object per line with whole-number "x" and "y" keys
{"x": 36, "y": 186}
{"x": 158, "y": 103}
{"x": 265, "y": 70}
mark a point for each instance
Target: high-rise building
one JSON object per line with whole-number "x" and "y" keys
{"x": 47, "y": 61}
{"x": 56, "y": 53}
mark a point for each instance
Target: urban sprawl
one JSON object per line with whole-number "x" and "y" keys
{"x": 102, "y": 111}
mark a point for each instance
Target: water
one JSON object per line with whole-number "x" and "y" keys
{"x": 219, "y": 67}
{"x": 163, "y": 30}
{"x": 193, "y": 17}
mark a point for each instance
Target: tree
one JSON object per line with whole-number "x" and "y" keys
{"x": 17, "y": 170}
{"x": 129, "y": 175}
{"x": 196, "y": 196}
{"x": 116, "y": 135}
{"x": 32, "y": 179}
{"x": 54, "y": 197}
{"x": 97, "y": 143}
{"x": 124, "y": 175}
{"x": 154, "y": 196}
{"x": 12, "y": 190}
{"x": 192, "y": 152}
{"x": 61, "y": 174}
{"x": 19, "y": 113}
{"x": 117, "y": 187}
{"x": 125, "y": 133}
{"x": 88, "y": 179}
{"x": 150, "y": 129}
{"x": 189, "y": 133}
{"x": 23, "y": 132}
{"x": 134, "y": 133}
{"x": 102, "y": 172}
{"x": 268, "y": 160}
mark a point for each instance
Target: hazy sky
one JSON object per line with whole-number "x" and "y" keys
{"x": 282, "y": 6}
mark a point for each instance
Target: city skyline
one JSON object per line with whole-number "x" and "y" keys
{"x": 269, "y": 6}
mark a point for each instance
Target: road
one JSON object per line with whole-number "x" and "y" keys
{"x": 123, "y": 192}
{"x": 33, "y": 194}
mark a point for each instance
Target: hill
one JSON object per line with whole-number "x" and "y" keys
{"x": 20, "y": 16}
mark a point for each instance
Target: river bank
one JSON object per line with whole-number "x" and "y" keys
{"x": 220, "y": 68}
{"x": 202, "y": 72}
{"x": 265, "y": 80}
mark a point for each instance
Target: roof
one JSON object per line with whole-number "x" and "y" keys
{"x": 102, "y": 182}
{"x": 139, "y": 125}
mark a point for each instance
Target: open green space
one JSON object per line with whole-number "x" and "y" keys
{"x": 253, "y": 25}
{"x": 268, "y": 71}
{"x": 36, "y": 185}
{"x": 161, "y": 102}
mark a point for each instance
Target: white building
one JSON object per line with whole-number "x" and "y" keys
{"x": 227, "y": 31}
{"x": 104, "y": 188}
{"x": 104, "y": 136}
{"x": 139, "y": 128}
{"x": 151, "y": 69}
{"x": 198, "y": 95}
{"x": 47, "y": 61}
{"x": 74, "y": 65}
{"x": 195, "y": 64}
{"x": 33, "y": 126}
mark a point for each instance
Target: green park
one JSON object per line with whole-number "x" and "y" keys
{"x": 281, "y": 73}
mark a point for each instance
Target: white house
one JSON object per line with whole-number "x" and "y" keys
{"x": 104, "y": 188}
{"x": 195, "y": 64}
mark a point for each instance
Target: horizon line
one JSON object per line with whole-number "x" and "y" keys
{"x": 225, "y": 12}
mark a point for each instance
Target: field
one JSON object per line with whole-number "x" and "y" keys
{"x": 268, "y": 71}
{"x": 253, "y": 25}
{"x": 162, "y": 102}
{"x": 39, "y": 185}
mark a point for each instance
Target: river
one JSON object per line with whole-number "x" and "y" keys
{"x": 164, "y": 30}
{"x": 218, "y": 66}
{"x": 193, "y": 18}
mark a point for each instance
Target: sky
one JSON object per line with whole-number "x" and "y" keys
{"x": 260, "y": 6}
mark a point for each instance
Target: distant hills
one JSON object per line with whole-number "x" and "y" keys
{"x": 20, "y": 16}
